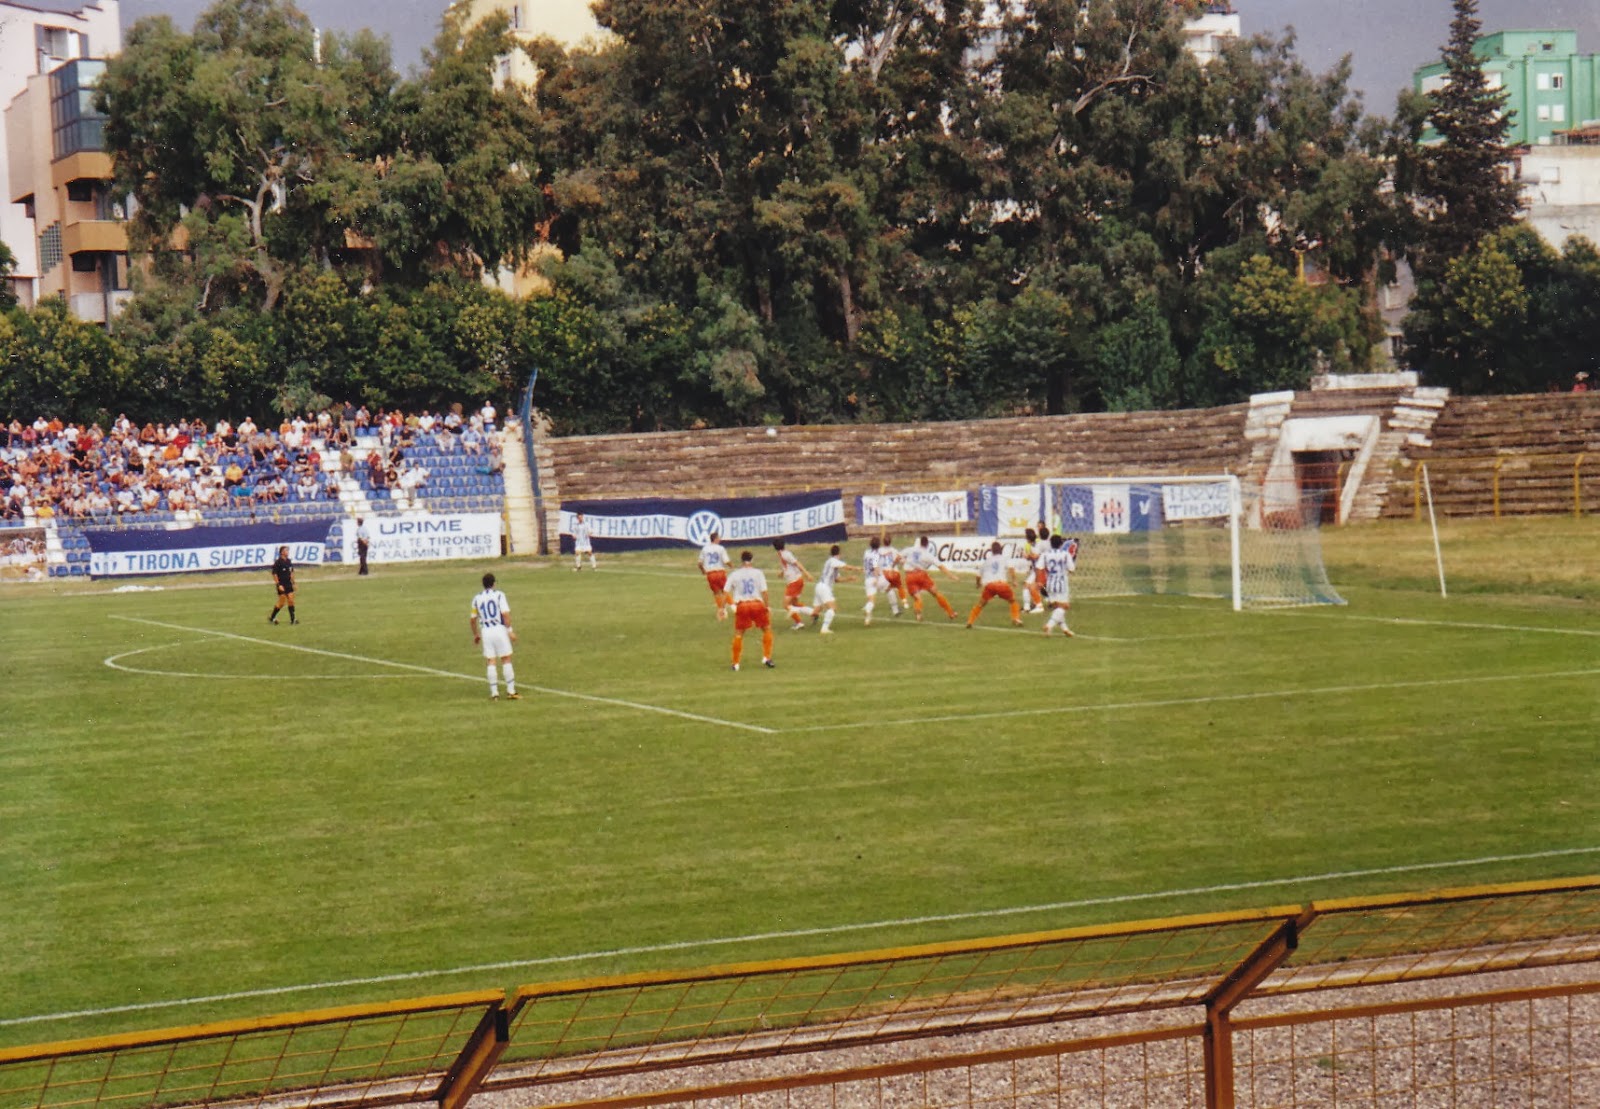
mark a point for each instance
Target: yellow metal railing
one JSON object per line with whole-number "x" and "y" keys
{"x": 1501, "y": 485}
{"x": 1285, "y": 1005}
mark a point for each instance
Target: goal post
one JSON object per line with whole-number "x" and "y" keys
{"x": 1204, "y": 535}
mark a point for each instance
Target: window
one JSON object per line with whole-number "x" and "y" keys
{"x": 1493, "y": 80}
{"x": 1542, "y": 82}
{"x": 1543, "y": 113}
{"x": 1558, "y": 113}
{"x": 1549, "y": 175}
{"x": 80, "y": 190}
{"x": 50, "y": 248}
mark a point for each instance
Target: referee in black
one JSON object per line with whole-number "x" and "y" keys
{"x": 283, "y": 578}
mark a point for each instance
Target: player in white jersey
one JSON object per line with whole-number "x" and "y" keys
{"x": 582, "y": 543}
{"x": 873, "y": 580}
{"x": 747, "y": 587}
{"x": 1027, "y": 566}
{"x": 491, "y": 627}
{"x": 994, "y": 580}
{"x": 920, "y": 562}
{"x": 713, "y": 563}
{"x": 890, "y": 562}
{"x": 822, "y": 598}
{"x": 795, "y": 577}
{"x": 1060, "y": 561}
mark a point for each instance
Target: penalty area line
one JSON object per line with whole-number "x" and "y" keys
{"x": 803, "y": 933}
{"x": 593, "y": 698}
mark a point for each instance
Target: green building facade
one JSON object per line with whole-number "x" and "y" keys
{"x": 1552, "y": 88}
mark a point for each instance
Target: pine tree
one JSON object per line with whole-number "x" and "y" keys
{"x": 1462, "y": 180}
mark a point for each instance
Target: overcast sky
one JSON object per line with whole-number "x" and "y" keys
{"x": 1386, "y": 39}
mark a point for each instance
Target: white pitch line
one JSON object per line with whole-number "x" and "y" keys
{"x": 1412, "y": 621}
{"x": 638, "y": 706}
{"x": 115, "y": 662}
{"x": 803, "y": 933}
{"x": 1175, "y": 702}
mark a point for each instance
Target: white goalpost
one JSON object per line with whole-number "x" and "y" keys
{"x": 1196, "y": 536}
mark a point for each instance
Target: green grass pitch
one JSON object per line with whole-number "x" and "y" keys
{"x": 207, "y": 817}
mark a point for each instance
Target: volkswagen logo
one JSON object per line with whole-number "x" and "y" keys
{"x": 702, "y": 524}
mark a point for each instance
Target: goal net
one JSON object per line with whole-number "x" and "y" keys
{"x": 1200, "y": 536}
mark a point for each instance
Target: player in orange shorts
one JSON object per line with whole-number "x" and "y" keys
{"x": 994, "y": 579}
{"x": 889, "y": 564}
{"x": 795, "y": 577}
{"x": 747, "y": 586}
{"x": 919, "y": 561}
{"x": 713, "y": 563}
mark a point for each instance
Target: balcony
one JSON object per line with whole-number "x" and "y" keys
{"x": 93, "y": 165}
{"x": 100, "y": 235}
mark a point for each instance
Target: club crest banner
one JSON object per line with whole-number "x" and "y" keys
{"x": 1006, "y": 510}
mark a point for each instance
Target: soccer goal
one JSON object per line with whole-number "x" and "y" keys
{"x": 1204, "y": 536}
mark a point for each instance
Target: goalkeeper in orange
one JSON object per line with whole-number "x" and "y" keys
{"x": 994, "y": 579}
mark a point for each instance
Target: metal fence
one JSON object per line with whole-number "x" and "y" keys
{"x": 1480, "y": 996}
{"x": 1498, "y": 485}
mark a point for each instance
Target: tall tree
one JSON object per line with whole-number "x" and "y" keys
{"x": 1461, "y": 181}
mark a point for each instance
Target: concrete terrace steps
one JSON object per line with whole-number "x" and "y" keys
{"x": 1533, "y": 423}
{"x": 864, "y": 458}
{"x": 1533, "y": 454}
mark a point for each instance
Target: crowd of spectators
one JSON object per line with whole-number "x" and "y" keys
{"x": 51, "y": 469}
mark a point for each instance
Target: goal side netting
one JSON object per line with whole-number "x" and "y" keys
{"x": 1205, "y": 536}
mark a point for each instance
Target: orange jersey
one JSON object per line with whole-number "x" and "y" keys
{"x": 717, "y": 580}
{"x": 1000, "y": 589}
{"x": 751, "y": 614}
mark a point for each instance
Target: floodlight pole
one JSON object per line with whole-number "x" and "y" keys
{"x": 1438, "y": 554}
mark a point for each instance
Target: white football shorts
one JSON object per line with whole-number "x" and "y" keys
{"x": 496, "y": 642}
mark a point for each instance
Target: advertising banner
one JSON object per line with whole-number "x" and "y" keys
{"x": 631, "y": 525}
{"x": 126, "y": 552}
{"x": 964, "y": 553}
{"x": 425, "y": 538}
{"x": 895, "y": 509}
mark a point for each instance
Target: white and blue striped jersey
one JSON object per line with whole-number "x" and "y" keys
{"x": 1058, "y": 564}
{"x": 492, "y": 608}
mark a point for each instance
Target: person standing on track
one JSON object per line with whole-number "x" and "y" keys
{"x": 363, "y": 545}
{"x": 582, "y": 543}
